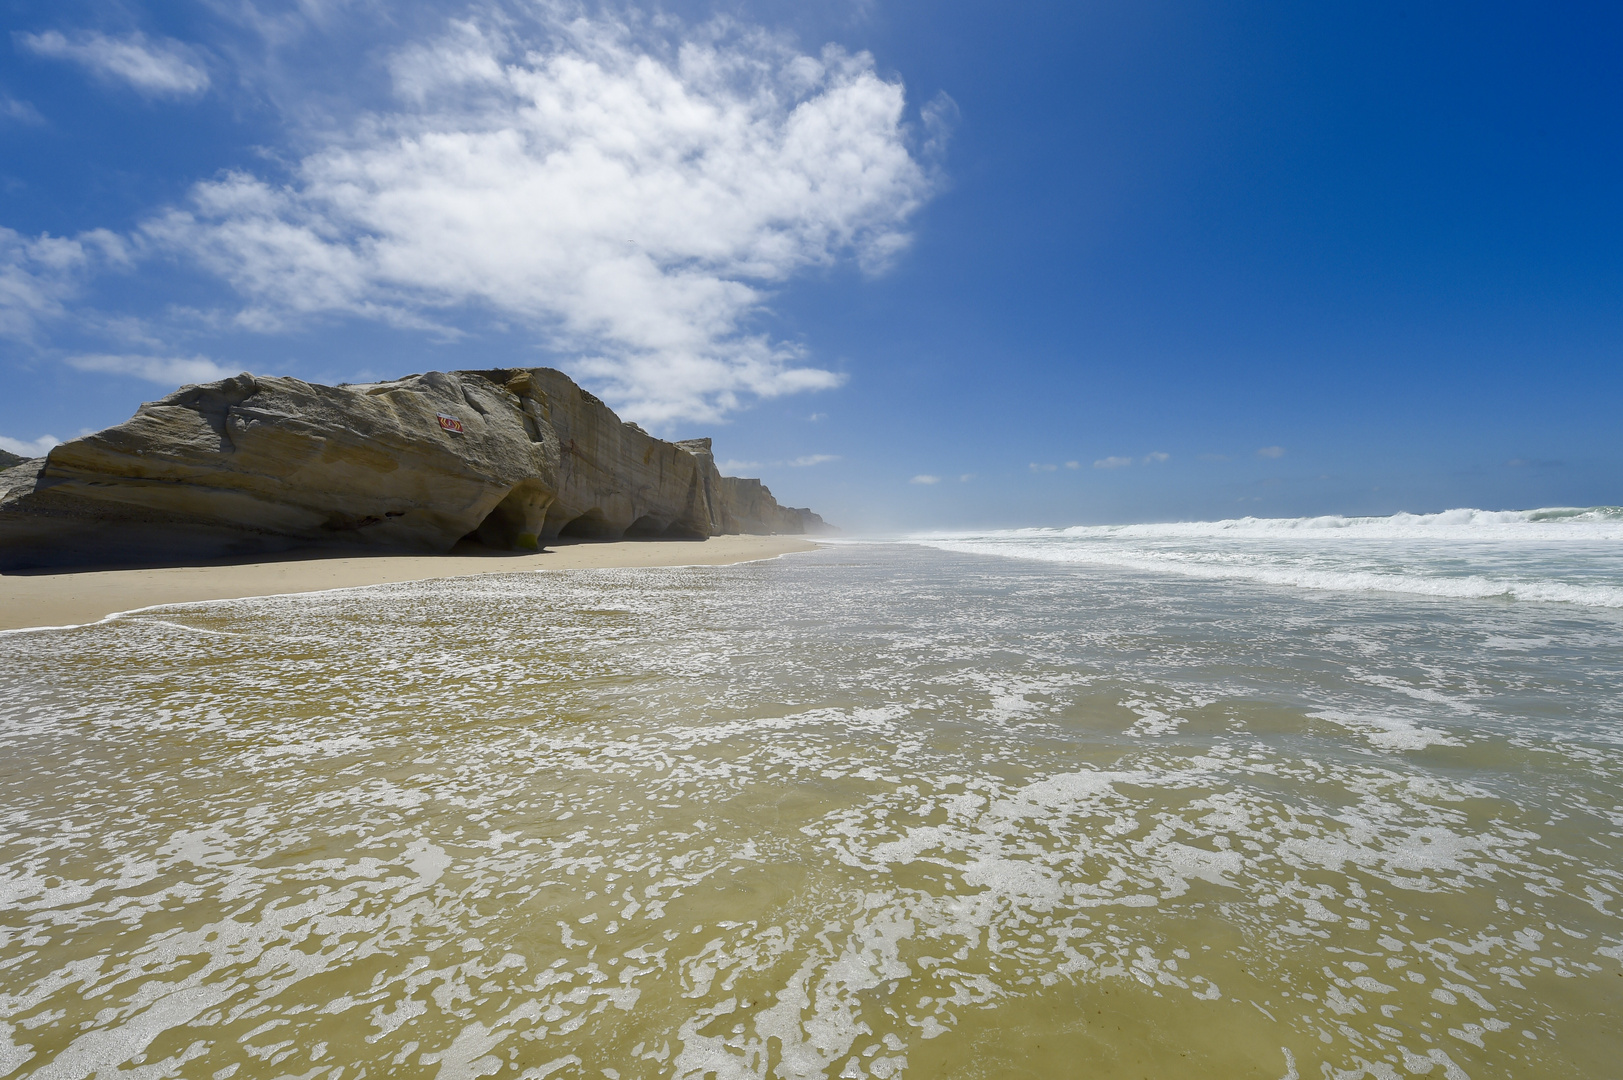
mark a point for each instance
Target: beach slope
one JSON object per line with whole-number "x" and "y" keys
{"x": 69, "y": 599}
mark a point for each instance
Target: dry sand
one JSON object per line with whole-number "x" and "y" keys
{"x": 69, "y": 599}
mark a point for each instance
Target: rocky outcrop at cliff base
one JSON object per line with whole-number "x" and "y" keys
{"x": 250, "y": 465}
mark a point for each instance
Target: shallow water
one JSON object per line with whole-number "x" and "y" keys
{"x": 877, "y": 810}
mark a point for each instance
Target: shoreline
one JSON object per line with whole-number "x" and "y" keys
{"x": 60, "y": 600}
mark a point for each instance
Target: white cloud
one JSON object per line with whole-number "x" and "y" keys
{"x": 730, "y": 468}
{"x": 154, "y": 66}
{"x": 1073, "y": 464}
{"x": 29, "y": 448}
{"x": 1039, "y": 467}
{"x": 163, "y": 370}
{"x": 816, "y": 416}
{"x": 814, "y": 459}
{"x": 1155, "y": 457}
{"x": 20, "y": 112}
{"x": 966, "y": 478}
{"x": 1113, "y": 463}
{"x": 38, "y": 276}
{"x": 925, "y": 478}
{"x": 628, "y": 191}
{"x": 1271, "y": 452}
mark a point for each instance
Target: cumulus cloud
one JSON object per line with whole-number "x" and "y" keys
{"x": 966, "y": 478}
{"x": 1037, "y": 466}
{"x": 39, "y": 275}
{"x": 29, "y": 448}
{"x": 813, "y": 459}
{"x": 1073, "y": 464}
{"x": 1155, "y": 457}
{"x": 163, "y": 370}
{"x": 1113, "y": 463}
{"x": 630, "y": 192}
{"x": 1271, "y": 452}
{"x": 926, "y": 479}
{"x": 153, "y": 66}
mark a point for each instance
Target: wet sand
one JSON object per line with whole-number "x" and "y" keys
{"x": 878, "y": 812}
{"x": 69, "y": 599}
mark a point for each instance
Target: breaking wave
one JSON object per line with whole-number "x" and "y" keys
{"x": 1567, "y": 555}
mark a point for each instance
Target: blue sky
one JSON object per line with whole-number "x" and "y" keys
{"x": 916, "y": 265}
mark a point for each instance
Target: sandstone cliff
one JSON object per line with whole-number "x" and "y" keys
{"x": 512, "y": 457}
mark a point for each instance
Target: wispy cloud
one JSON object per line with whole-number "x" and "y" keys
{"x": 163, "y": 370}
{"x": 925, "y": 478}
{"x": 966, "y": 477}
{"x": 1073, "y": 464}
{"x": 1155, "y": 457}
{"x": 630, "y": 191}
{"x": 29, "y": 448}
{"x": 802, "y": 462}
{"x": 1271, "y": 452}
{"x": 153, "y": 66}
{"x": 1040, "y": 467}
{"x": 19, "y": 112}
{"x": 38, "y": 276}
{"x": 816, "y": 416}
{"x": 1113, "y": 463}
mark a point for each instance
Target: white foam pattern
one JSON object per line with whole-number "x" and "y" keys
{"x": 848, "y": 814}
{"x": 1554, "y": 555}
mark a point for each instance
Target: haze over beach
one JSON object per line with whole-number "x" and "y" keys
{"x": 424, "y": 650}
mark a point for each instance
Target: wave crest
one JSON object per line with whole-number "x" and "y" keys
{"x": 1549, "y": 555}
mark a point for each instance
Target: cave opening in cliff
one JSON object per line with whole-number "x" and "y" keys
{"x": 591, "y": 525}
{"x": 647, "y": 527}
{"x": 514, "y": 524}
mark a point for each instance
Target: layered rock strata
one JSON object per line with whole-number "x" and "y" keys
{"x": 513, "y": 457}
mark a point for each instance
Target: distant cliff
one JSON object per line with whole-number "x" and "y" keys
{"x": 513, "y": 457}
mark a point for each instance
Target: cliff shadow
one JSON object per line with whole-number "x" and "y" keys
{"x": 592, "y": 525}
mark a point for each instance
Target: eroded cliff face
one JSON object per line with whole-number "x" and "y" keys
{"x": 512, "y": 457}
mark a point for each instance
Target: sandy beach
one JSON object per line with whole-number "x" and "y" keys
{"x": 29, "y": 600}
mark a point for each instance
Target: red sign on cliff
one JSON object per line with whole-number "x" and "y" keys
{"x": 450, "y": 423}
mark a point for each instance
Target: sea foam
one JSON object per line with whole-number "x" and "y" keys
{"x": 869, "y": 812}
{"x": 1561, "y": 555}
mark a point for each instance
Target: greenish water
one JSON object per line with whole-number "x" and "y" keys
{"x": 871, "y": 811}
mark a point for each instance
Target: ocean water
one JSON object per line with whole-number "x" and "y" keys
{"x": 1331, "y": 798}
{"x": 1566, "y": 555}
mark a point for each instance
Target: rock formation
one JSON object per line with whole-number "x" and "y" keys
{"x": 513, "y": 457}
{"x": 7, "y": 460}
